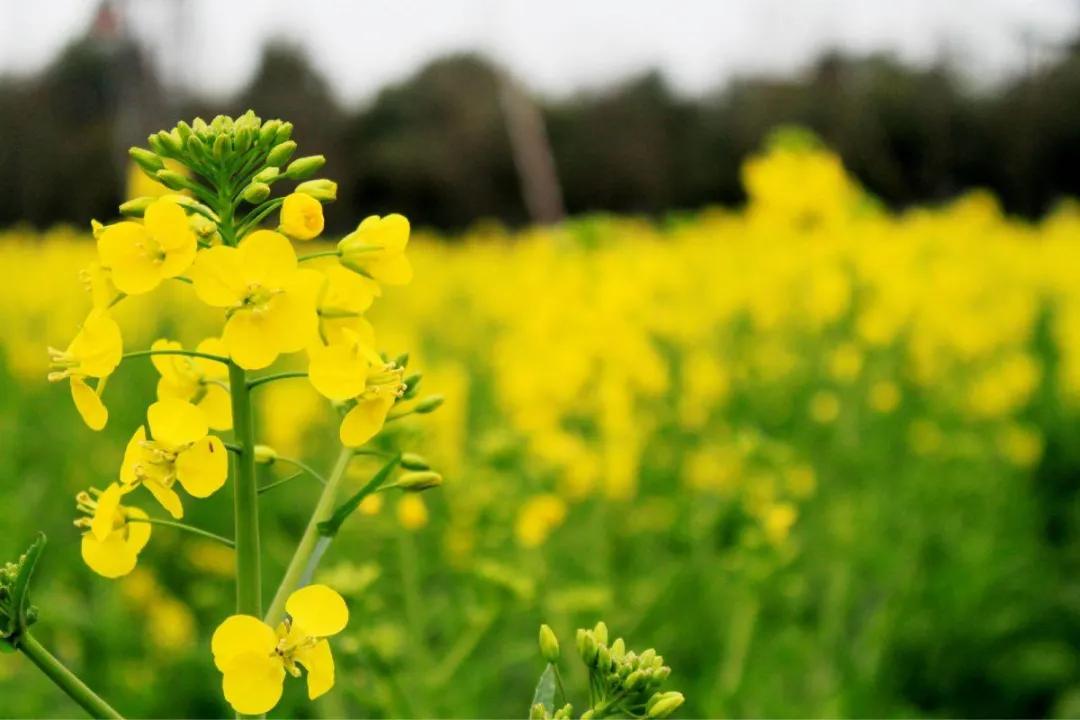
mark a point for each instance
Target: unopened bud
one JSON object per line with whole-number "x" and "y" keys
{"x": 412, "y": 461}
{"x": 172, "y": 180}
{"x": 537, "y": 712}
{"x": 221, "y": 147}
{"x": 418, "y": 481}
{"x": 402, "y": 360}
{"x": 322, "y": 189}
{"x": 148, "y": 161}
{"x": 305, "y": 167}
{"x": 618, "y": 650}
{"x": 256, "y": 192}
{"x": 266, "y": 175}
{"x": 412, "y": 385}
{"x": 600, "y": 631}
{"x": 661, "y": 705}
{"x": 564, "y": 713}
{"x": 646, "y": 658}
{"x": 269, "y": 132}
{"x": 549, "y": 644}
{"x": 633, "y": 680}
{"x": 136, "y": 207}
{"x": 265, "y": 455}
{"x": 661, "y": 673}
{"x": 429, "y": 404}
{"x": 284, "y": 132}
{"x": 280, "y": 153}
{"x": 587, "y": 648}
{"x": 603, "y": 659}
{"x": 171, "y": 142}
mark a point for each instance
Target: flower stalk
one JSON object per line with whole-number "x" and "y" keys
{"x": 64, "y": 679}
{"x": 246, "y": 499}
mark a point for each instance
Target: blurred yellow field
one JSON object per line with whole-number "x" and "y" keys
{"x": 800, "y": 448}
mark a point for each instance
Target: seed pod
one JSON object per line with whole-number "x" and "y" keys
{"x": 419, "y": 481}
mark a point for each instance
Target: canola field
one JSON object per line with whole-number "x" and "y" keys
{"x": 820, "y": 455}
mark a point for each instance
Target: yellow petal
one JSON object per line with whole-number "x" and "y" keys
{"x": 301, "y": 216}
{"x": 395, "y": 270}
{"x": 133, "y": 456}
{"x": 319, "y": 662}
{"x": 212, "y": 368}
{"x": 253, "y": 682}
{"x": 128, "y": 250}
{"x": 138, "y": 533}
{"x": 178, "y": 260}
{"x": 318, "y": 610}
{"x": 218, "y": 276}
{"x": 98, "y": 346}
{"x": 166, "y": 222}
{"x": 203, "y": 467}
{"x": 176, "y": 423}
{"x": 217, "y": 407}
{"x": 111, "y": 558}
{"x": 166, "y": 496}
{"x": 89, "y": 404}
{"x": 239, "y": 634}
{"x": 165, "y": 364}
{"x": 394, "y": 233}
{"x": 247, "y": 340}
{"x": 108, "y": 504}
{"x": 290, "y": 321}
{"x": 364, "y": 421}
{"x": 337, "y": 371}
{"x": 268, "y": 258}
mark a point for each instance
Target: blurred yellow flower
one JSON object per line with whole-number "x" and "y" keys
{"x": 537, "y": 517}
{"x": 884, "y": 396}
{"x": 824, "y": 407}
{"x": 412, "y": 513}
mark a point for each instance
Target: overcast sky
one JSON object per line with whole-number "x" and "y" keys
{"x": 555, "y": 46}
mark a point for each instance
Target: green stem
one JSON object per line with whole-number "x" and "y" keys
{"x": 66, "y": 680}
{"x": 324, "y": 508}
{"x": 276, "y": 376}
{"x": 313, "y": 256}
{"x": 272, "y": 485}
{"x": 184, "y": 526}
{"x": 303, "y": 466}
{"x": 246, "y": 504}
{"x": 189, "y": 353}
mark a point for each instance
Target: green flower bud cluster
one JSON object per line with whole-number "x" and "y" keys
{"x": 622, "y": 683}
{"x": 16, "y": 612}
{"x": 539, "y": 712}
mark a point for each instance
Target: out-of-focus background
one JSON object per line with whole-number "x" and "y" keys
{"x": 758, "y": 324}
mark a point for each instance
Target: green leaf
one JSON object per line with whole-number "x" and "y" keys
{"x": 545, "y": 690}
{"x": 329, "y": 527}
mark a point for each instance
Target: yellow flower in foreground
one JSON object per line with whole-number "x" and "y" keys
{"x": 349, "y": 370}
{"x": 110, "y": 543}
{"x": 271, "y": 302}
{"x": 198, "y": 380}
{"x": 254, "y": 658}
{"x": 94, "y": 352}
{"x": 539, "y": 515}
{"x": 301, "y": 216}
{"x": 344, "y": 299}
{"x": 180, "y": 450}
{"x": 142, "y": 255}
{"x": 377, "y": 249}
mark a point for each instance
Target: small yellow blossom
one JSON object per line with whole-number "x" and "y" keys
{"x": 110, "y": 544}
{"x": 371, "y": 505}
{"x": 377, "y": 249}
{"x": 301, "y": 216}
{"x": 824, "y": 407}
{"x": 198, "y": 380}
{"x": 412, "y": 513}
{"x": 94, "y": 352}
{"x": 777, "y": 522}
{"x": 270, "y": 301}
{"x": 884, "y": 396}
{"x": 180, "y": 450}
{"x": 254, "y": 657}
{"x": 349, "y": 370}
{"x": 345, "y": 297}
{"x": 142, "y": 255}
{"x": 538, "y": 516}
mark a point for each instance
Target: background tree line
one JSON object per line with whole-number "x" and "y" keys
{"x": 436, "y": 147}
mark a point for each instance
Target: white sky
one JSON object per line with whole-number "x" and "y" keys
{"x": 555, "y": 46}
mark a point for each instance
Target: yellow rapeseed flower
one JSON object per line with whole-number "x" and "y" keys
{"x": 377, "y": 249}
{"x": 180, "y": 450}
{"x": 270, "y": 301}
{"x": 198, "y": 380}
{"x": 412, "y": 513}
{"x": 94, "y": 352}
{"x": 344, "y": 298}
{"x": 254, "y": 657}
{"x": 110, "y": 544}
{"x": 301, "y": 216}
{"x": 142, "y": 255}
{"x": 538, "y": 516}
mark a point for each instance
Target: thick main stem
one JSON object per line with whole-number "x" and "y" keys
{"x": 75, "y": 688}
{"x": 246, "y": 504}
{"x": 324, "y": 508}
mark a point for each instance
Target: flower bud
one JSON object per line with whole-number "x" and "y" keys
{"x": 412, "y": 461}
{"x": 412, "y": 385}
{"x": 428, "y": 404}
{"x": 564, "y": 713}
{"x": 172, "y": 180}
{"x": 618, "y": 650}
{"x": 242, "y": 139}
{"x": 549, "y": 644}
{"x": 305, "y": 167}
{"x": 265, "y": 455}
{"x": 170, "y": 142}
{"x": 183, "y": 130}
{"x": 322, "y": 190}
{"x": 646, "y": 658}
{"x": 269, "y": 132}
{"x": 537, "y": 712}
{"x": 256, "y": 192}
{"x": 136, "y": 207}
{"x": 266, "y": 175}
{"x": 587, "y": 648}
{"x": 280, "y": 153}
{"x": 221, "y": 147}
{"x": 661, "y": 673}
{"x": 418, "y": 481}
{"x": 603, "y": 659}
{"x": 633, "y": 680}
{"x": 284, "y": 132}
{"x": 197, "y": 148}
{"x": 148, "y": 161}
{"x": 661, "y": 705}
{"x": 600, "y": 631}
{"x": 587, "y": 715}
